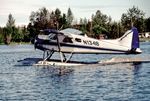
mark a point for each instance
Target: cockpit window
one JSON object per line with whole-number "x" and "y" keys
{"x": 77, "y": 39}
{"x": 67, "y": 39}
{"x": 52, "y": 36}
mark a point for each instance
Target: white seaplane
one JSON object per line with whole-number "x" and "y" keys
{"x": 73, "y": 41}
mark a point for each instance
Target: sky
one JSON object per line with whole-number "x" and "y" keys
{"x": 21, "y": 9}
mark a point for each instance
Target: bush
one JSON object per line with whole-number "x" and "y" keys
{"x": 1, "y": 39}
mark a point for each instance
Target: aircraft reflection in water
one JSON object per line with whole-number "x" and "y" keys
{"x": 73, "y": 41}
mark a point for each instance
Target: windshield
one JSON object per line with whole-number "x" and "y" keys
{"x": 72, "y": 31}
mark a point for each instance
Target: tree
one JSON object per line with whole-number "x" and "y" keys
{"x": 32, "y": 17}
{"x": 9, "y": 29}
{"x": 99, "y": 23}
{"x": 99, "y": 30}
{"x": 11, "y": 21}
{"x": 25, "y": 33}
{"x": 83, "y": 25}
{"x": 133, "y": 17}
{"x": 57, "y": 13}
{"x": 17, "y": 35}
{"x": 39, "y": 20}
{"x": 69, "y": 17}
{"x": 114, "y": 30}
{"x": 99, "y": 19}
{"x": 108, "y": 25}
{"x": 58, "y": 18}
{"x": 64, "y": 21}
{"x": 1, "y": 35}
{"x": 52, "y": 21}
{"x": 147, "y": 24}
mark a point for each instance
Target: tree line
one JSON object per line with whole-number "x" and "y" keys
{"x": 99, "y": 24}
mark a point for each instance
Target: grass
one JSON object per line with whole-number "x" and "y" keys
{"x": 16, "y": 43}
{"x": 144, "y": 39}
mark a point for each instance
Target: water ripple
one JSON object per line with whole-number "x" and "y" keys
{"x": 116, "y": 82}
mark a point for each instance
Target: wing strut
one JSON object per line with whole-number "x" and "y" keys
{"x": 62, "y": 55}
{"x": 69, "y": 57}
{"x": 59, "y": 49}
{"x": 48, "y": 54}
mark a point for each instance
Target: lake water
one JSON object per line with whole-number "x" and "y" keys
{"x": 20, "y": 81}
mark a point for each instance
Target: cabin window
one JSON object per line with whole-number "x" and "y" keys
{"x": 55, "y": 37}
{"x": 52, "y": 36}
{"x": 67, "y": 39}
{"x": 78, "y": 40}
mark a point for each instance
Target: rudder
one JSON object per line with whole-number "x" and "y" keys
{"x": 135, "y": 39}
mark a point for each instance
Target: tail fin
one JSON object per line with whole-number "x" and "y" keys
{"x": 131, "y": 39}
{"x": 135, "y": 42}
{"x": 135, "y": 38}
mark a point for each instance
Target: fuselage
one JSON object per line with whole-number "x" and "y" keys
{"x": 72, "y": 43}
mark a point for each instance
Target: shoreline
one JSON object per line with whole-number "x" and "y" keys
{"x": 144, "y": 39}
{"x": 17, "y": 43}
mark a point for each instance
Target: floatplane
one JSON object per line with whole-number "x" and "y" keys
{"x": 73, "y": 41}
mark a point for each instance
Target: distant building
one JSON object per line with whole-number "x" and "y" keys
{"x": 141, "y": 35}
{"x": 144, "y": 35}
{"x": 147, "y": 34}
